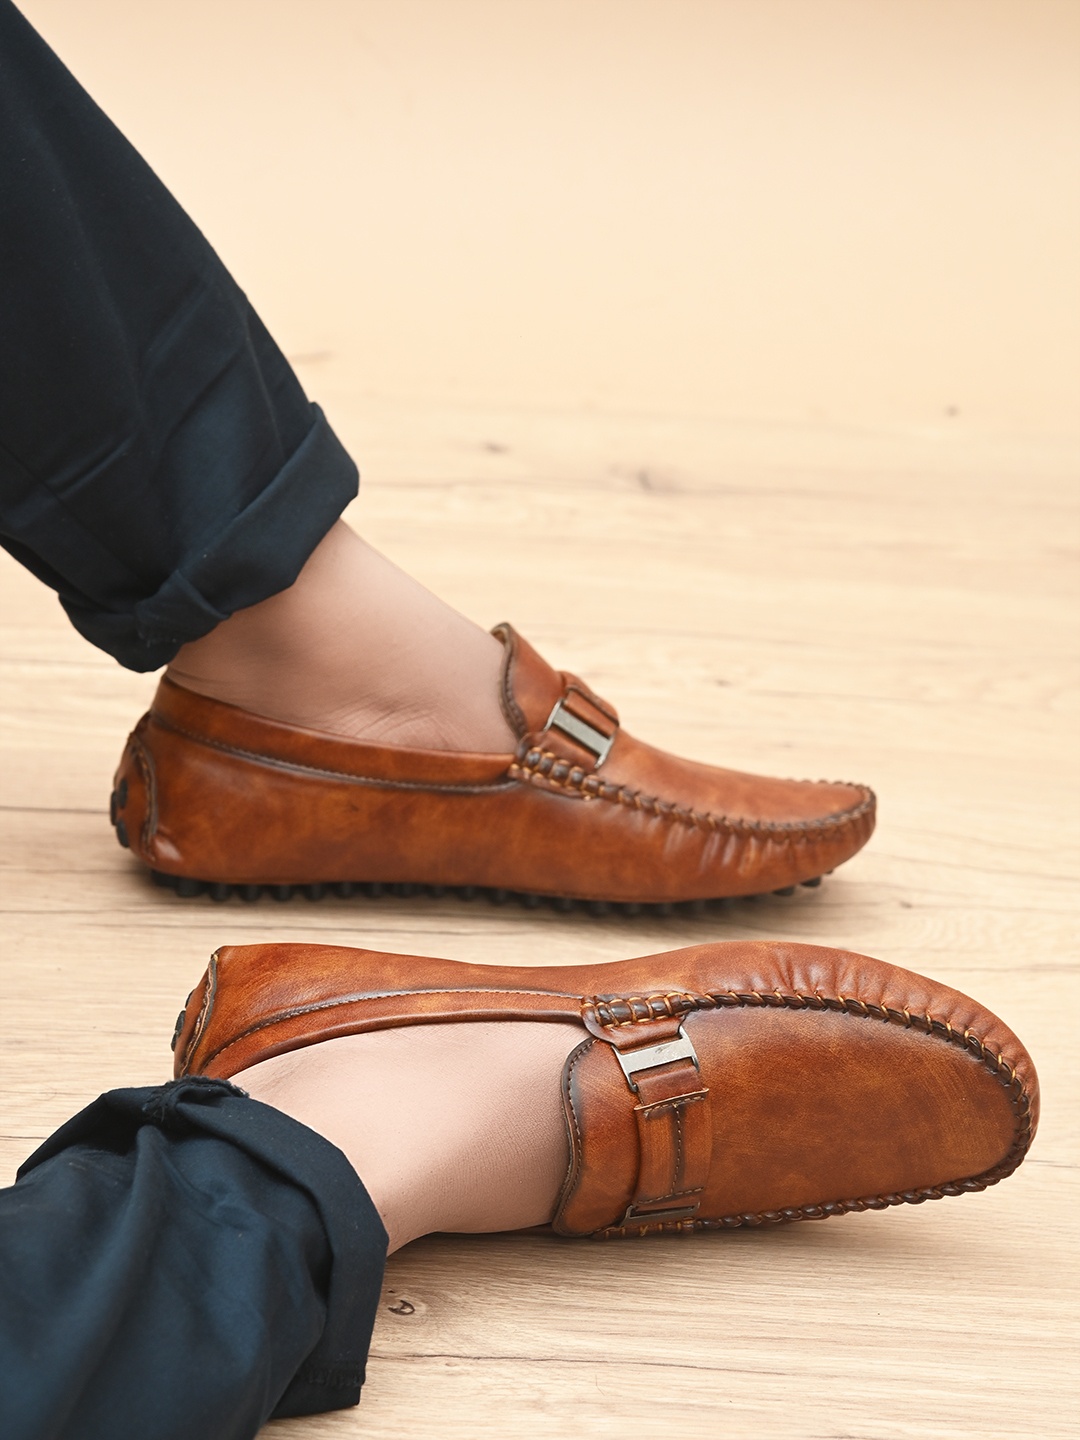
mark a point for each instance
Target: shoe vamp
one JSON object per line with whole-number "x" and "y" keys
{"x": 808, "y": 1109}
{"x": 710, "y": 789}
{"x": 811, "y": 1108}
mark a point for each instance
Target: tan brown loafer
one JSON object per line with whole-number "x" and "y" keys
{"x": 744, "y": 1083}
{"x": 211, "y": 797}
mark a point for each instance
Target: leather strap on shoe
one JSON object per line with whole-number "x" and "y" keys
{"x": 673, "y": 1109}
{"x": 559, "y": 721}
{"x": 580, "y": 728}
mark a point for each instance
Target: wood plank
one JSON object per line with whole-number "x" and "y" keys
{"x": 952, "y": 692}
{"x": 726, "y": 483}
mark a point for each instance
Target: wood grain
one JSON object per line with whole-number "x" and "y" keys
{"x": 883, "y": 599}
{"x": 802, "y": 625}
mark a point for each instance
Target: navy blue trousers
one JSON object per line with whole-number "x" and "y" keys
{"x": 178, "y": 1261}
{"x": 160, "y": 465}
{"x": 182, "y": 1263}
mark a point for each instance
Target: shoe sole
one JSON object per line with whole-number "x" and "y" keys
{"x": 219, "y": 891}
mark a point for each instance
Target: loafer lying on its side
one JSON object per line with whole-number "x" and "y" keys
{"x": 208, "y": 794}
{"x": 742, "y": 1083}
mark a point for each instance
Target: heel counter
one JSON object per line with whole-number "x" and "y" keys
{"x": 192, "y": 1021}
{"x": 133, "y": 808}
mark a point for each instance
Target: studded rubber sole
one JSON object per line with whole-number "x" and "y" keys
{"x": 375, "y": 890}
{"x": 219, "y": 891}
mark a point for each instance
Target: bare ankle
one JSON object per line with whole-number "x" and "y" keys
{"x": 358, "y": 648}
{"x": 454, "y": 1127}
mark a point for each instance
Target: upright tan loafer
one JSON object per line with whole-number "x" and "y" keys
{"x": 211, "y": 797}
{"x": 744, "y": 1083}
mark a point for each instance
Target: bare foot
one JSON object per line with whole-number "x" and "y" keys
{"x": 357, "y": 647}
{"x": 455, "y": 1127}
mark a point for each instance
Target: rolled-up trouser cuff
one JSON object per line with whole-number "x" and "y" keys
{"x": 258, "y": 553}
{"x": 160, "y": 464}
{"x": 180, "y": 1253}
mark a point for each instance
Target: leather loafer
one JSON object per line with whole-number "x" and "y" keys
{"x": 210, "y": 796}
{"x": 743, "y": 1083}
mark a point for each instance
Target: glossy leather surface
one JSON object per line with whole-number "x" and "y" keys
{"x": 818, "y": 1082}
{"x": 214, "y": 793}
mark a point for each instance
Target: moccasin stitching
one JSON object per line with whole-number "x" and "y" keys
{"x": 927, "y": 1024}
{"x": 540, "y": 771}
{"x": 993, "y": 1061}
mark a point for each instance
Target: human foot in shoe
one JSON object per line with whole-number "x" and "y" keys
{"x": 356, "y": 731}
{"x": 358, "y": 649}
{"x": 451, "y": 1127}
{"x": 722, "y": 1085}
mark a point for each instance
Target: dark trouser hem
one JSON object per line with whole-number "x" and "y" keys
{"x": 160, "y": 465}
{"x": 183, "y": 1261}
{"x": 257, "y": 553}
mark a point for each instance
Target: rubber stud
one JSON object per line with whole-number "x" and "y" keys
{"x": 811, "y": 884}
{"x": 663, "y": 910}
{"x": 220, "y": 892}
{"x": 405, "y": 890}
{"x": 281, "y": 892}
{"x": 375, "y": 890}
{"x": 498, "y": 897}
{"x": 599, "y": 907}
{"x": 314, "y": 892}
{"x": 122, "y": 835}
{"x": 785, "y": 890}
{"x": 112, "y": 808}
{"x": 249, "y": 892}
{"x": 122, "y": 793}
{"x": 188, "y": 889}
{"x": 345, "y": 889}
{"x": 563, "y": 904}
{"x": 530, "y": 902}
{"x": 468, "y": 892}
{"x": 437, "y": 892}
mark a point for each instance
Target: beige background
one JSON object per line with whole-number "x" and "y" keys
{"x": 731, "y": 350}
{"x": 839, "y": 210}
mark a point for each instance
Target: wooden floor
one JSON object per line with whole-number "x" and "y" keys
{"x": 893, "y": 610}
{"x": 840, "y": 598}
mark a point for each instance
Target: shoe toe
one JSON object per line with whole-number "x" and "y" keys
{"x": 831, "y": 1083}
{"x": 831, "y": 1111}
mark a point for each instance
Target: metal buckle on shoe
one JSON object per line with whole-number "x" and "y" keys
{"x": 655, "y": 1211}
{"x": 564, "y": 719}
{"x": 635, "y": 1216}
{"x": 648, "y": 1057}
